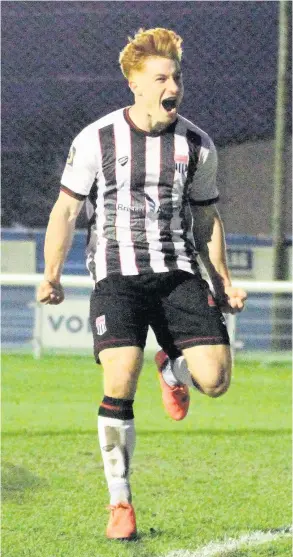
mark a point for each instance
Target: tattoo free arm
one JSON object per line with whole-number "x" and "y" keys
{"x": 58, "y": 240}
{"x": 209, "y": 237}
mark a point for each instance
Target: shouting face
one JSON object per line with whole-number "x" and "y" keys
{"x": 158, "y": 90}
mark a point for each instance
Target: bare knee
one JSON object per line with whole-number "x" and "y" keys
{"x": 121, "y": 371}
{"x": 217, "y": 386}
{"x": 210, "y": 368}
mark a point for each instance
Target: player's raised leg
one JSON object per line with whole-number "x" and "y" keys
{"x": 201, "y": 341}
{"x": 205, "y": 368}
{"x": 210, "y": 367}
{"x": 116, "y": 432}
{"x": 175, "y": 393}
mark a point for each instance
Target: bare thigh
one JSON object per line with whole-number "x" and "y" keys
{"x": 210, "y": 367}
{"x": 122, "y": 366}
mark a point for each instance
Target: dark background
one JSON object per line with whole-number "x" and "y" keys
{"x": 60, "y": 72}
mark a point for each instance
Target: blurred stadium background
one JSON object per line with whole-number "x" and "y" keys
{"x": 60, "y": 72}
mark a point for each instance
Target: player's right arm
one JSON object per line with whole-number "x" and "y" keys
{"x": 58, "y": 241}
{"x": 79, "y": 174}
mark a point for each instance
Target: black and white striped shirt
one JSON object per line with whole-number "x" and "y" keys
{"x": 139, "y": 187}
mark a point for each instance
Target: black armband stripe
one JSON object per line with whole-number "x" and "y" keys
{"x": 78, "y": 196}
{"x": 205, "y": 202}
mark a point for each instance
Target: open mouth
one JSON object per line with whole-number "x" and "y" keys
{"x": 169, "y": 104}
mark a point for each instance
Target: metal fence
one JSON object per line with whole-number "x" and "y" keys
{"x": 27, "y": 326}
{"x": 265, "y": 325}
{"x": 60, "y": 72}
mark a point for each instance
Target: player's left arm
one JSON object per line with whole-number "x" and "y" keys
{"x": 209, "y": 237}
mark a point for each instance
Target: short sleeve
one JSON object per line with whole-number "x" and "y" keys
{"x": 82, "y": 165}
{"x": 203, "y": 189}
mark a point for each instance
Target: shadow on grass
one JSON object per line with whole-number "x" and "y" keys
{"x": 141, "y": 433}
{"x": 16, "y": 480}
{"x": 141, "y": 536}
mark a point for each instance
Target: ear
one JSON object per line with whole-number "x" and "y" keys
{"x": 134, "y": 87}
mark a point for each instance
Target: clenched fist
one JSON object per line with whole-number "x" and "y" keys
{"x": 232, "y": 300}
{"x": 50, "y": 293}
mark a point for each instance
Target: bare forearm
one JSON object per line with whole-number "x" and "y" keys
{"x": 217, "y": 252}
{"x": 58, "y": 241}
{"x": 212, "y": 251}
{"x": 210, "y": 242}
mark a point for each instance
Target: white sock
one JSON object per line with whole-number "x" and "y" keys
{"x": 117, "y": 442}
{"x": 168, "y": 375}
{"x": 176, "y": 372}
{"x": 181, "y": 371}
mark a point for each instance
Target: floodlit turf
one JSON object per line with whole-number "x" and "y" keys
{"x": 223, "y": 472}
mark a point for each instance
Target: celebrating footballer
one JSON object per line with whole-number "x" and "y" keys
{"x": 148, "y": 178}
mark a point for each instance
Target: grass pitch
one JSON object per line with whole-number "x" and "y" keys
{"x": 222, "y": 472}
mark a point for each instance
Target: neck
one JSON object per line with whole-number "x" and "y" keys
{"x": 145, "y": 121}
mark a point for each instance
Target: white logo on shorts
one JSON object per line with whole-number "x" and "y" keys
{"x": 101, "y": 325}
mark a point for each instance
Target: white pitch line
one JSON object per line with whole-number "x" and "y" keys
{"x": 222, "y": 548}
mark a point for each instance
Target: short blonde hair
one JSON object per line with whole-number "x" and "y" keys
{"x": 146, "y": 43}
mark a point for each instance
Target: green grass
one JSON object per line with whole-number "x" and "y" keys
{"x": 222, "y": 472}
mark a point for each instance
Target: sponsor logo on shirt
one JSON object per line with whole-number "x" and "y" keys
{"x": 151, "y": 212}
{"x": 123, "y": 160}
{"x": 132, "y": 208}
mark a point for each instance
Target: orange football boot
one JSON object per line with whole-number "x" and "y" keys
{"x": 175, "y": 399}
{"x": 122, "y": 523}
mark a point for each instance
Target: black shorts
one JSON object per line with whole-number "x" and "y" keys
{"x": 177, "y": 305}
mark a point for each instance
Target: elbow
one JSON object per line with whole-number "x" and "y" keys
{"x": 67, "y": 213}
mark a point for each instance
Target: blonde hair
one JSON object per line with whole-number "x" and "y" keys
{"x": 146, "y": 43}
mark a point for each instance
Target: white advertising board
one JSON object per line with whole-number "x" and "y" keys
{"x": 18, "y": 256}
{"x": 67, "y": 326}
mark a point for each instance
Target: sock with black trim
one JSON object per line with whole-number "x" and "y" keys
{"x": 116, "y": 434}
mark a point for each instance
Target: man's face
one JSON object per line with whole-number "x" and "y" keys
{"x": 158, "y": 89}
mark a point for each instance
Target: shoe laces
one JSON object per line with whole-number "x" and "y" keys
{"x": 120, "y": 505}
{"x": 179, "y": 388}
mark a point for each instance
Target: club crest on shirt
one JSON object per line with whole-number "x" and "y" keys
{"x": 101, "y": 325}
{"x": 71, "y": 156}
{"x": 181, "y": 163}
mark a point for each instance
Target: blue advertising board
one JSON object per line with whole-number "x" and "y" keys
{"x": 246, "y": 257}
